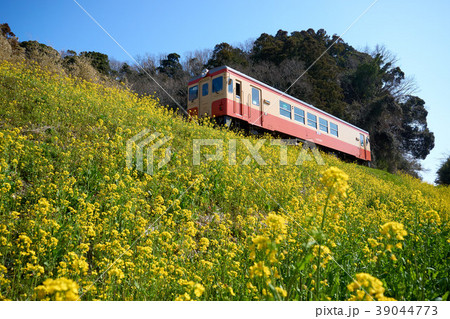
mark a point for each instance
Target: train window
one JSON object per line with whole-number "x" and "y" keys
{"x": 361, "y": 139}
{"x": 230, "y": 86}
{"x": 323, "y": 125}
{"x": 205, "y": 89}
{"x": 238, "y": 89}
{"x": 255, "y": 97}
{"x": 299, "y": 115}
{"x": 312, "y": 120}
{"x": 217, "y": 84}
{"x": 285, "y": 109}
{"x": 334, "y": 129}
{"x": 193, "y": 93}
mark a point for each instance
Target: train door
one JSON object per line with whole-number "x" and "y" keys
{"x": 362, "y": 146}
{"x": 204, "y": 97}
{"x": 238, "y": 98}
{"x": 257, "y": 104}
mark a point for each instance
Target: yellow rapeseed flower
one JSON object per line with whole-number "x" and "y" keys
{"x": 204, "y": 244}
{"x": 276, "y": 223}
{"x": 393, "y": 230}
{"x": 259, "y": 270}
{"x": 198, "y": 289}
{"x": 335, "y": 179}
{"x": 61, "y": 289}
{"x": 368, "y": 288}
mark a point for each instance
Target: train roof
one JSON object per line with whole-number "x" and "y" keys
{"x": 281, "y": 93}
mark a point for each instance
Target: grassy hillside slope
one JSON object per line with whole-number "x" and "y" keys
{"x": 75, "y": 222}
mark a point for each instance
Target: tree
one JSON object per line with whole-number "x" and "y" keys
{"x": 270, "y": 48}
{"x": 9, "y": 42}
{"x": 115, "y": 66}
{"x": 35, "y": 50}
{"x": 416, "y": 137}
{"x": 195, "y": 62}
{"x": 43, "y": 54}
{"x": 171, "y": 66}
{"x": 365, "y": 82}
{"x": 225, "y": 54}
{"x": 443, "y": 173}
{"x": 98, "y": 60}
{"x": 377, "y": 93}
{"x": 6, "y": 31}
{"x": 79, "y": 66}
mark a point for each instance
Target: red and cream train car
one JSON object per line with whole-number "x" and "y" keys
{"x": 225, "y": 92}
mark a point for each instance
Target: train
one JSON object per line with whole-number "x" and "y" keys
{"x": 231, "y": 96}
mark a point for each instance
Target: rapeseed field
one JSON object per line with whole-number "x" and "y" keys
{"x": 77, "y": 224}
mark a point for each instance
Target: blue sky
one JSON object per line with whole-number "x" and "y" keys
{"x": 417, "y": 32}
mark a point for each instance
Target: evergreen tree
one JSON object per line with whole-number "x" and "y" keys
{"x": 98, "y": 60}
{"x": 225, "y": 54}
{"x": 444, "y": 173}
{"x": 171, "y": 66}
